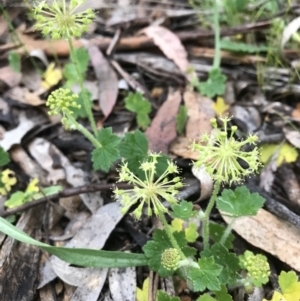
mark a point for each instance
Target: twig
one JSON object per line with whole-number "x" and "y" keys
{"x": 64, "y": 193}
{"x": 184, "y": 194}
{"x": 274, "y": 206}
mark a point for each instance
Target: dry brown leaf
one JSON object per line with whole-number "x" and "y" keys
{"x": 289, "y": 30}
{"x": 162, "y": 130}
{"x": 271, "y": 234}
{"x": 200, "y": 112}
{"x": 107, "y": 80}
{"x": 12, "y": 13}
{"x": 24, "y": 96}
{"x": 92, "y": 235}
{"x": 29, "y": 166}
{"x": 296, "y": 112}
{"x": 10, "y": 77}
{"x": 292, "y": 136}
{"x": 122, "y": 283}
{"x": 170, "y": 45}
{"x": 31, "y": 76}
{"x": 47, "y": 155}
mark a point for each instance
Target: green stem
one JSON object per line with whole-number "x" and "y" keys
{"x": 17, "y": 39}
{"x": 217, "y": 57}
{"x": 227, "y": 232}
{"x": 211, "y": 203}
{"x": 84, "y": 131}
{"x": 86, "y": 101}
{"x": 170, "y": 235}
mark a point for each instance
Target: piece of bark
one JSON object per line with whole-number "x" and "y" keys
{"x": 19, "y": 262}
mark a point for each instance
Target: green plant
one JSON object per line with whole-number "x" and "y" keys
{"x": 289, "y": 287}
{"x": 7, "y": 176}
{"x": 215, "y": 84}
{"x": 69, "y": 70}
{"x": 181, "y": 119}
{"x": 137, "y": 103}
{"x": 60, "y": 20}
{"x": 155, "y": 179}
{"x": 18, "y": 198}
{"x": 169, "y": 251}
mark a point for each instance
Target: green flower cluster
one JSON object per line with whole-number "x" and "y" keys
{"x": 62, "y": 20}
{"x": 150, "y": 191}
{"x": 61, "y": 100}
{"x": 170, "y": 259}
{"x": 221, "y": 154}
{"x": 257, "y": 267}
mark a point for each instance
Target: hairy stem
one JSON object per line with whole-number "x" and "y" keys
{"x": 227, "y": 232}
{"x": 211, "y": 203}
{"x": 84, "y": 131}
{"x": 217, "y": 57}
{"x": 86, "y": 101}
{"x": 170, "y": 235}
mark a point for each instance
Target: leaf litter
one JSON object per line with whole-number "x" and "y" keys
{"x": 159, "y": 48}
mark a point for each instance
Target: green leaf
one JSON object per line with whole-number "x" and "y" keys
{"x": 163, "y": 296}
{"x": 105, "y": 156}
{"x": 206, "y": 297}
{"x": 80, "y": 257}
{"x": 11, "y": 219}
{"x": 4, "y": 157}
{"x": 215, "y": 84}
{"x": 14, "y": 60}
{"x": 216, "y": 232}
{"x": 133, "y": 149}
{"x": 191, "y": 233}
{"x": 206, "y": 277}
{"x": 229, "y": 262}
{"x": 142, "y": 294}
{"x": 242, "y": 47}
{"x": 181, "y": 119}
{"x": 183, "y": 210}
{"x": 162, "y": 164}
{"x": 153, "y": 250}
{"x": 19, "y": 198}
{"x": 81, "y": 113}
{"x": 69, "y": 71}
{"x": 289, "y": 285}
{"x": 177, "y": 225}
{"x": 239, "y": 202}
{"x": 16, "y": 199}
{"x": 284, "y": 153}
{"x": 137, "y": 103}
{"x": 51, "y": 190}
{"x": 223, "y": 295}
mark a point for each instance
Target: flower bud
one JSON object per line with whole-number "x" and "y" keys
{"x": 170, "y": 259}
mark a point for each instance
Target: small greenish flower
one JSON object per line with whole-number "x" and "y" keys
{"x": 62, "y": 20}
{"x": 151, "y": 190}
{"x": 61, "y": 101}
{"x": 257, "y": 267}
{"x": 170, "y": 259}
{"x": 221, "y": 154}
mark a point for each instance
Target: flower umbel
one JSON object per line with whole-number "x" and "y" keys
{"x": 257, "y": 267}
{"x": 62, "y": 100}
{"x": 221, "y": 155}
{"x": 62, "y": 20}
{"x": 150, "y": 191}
